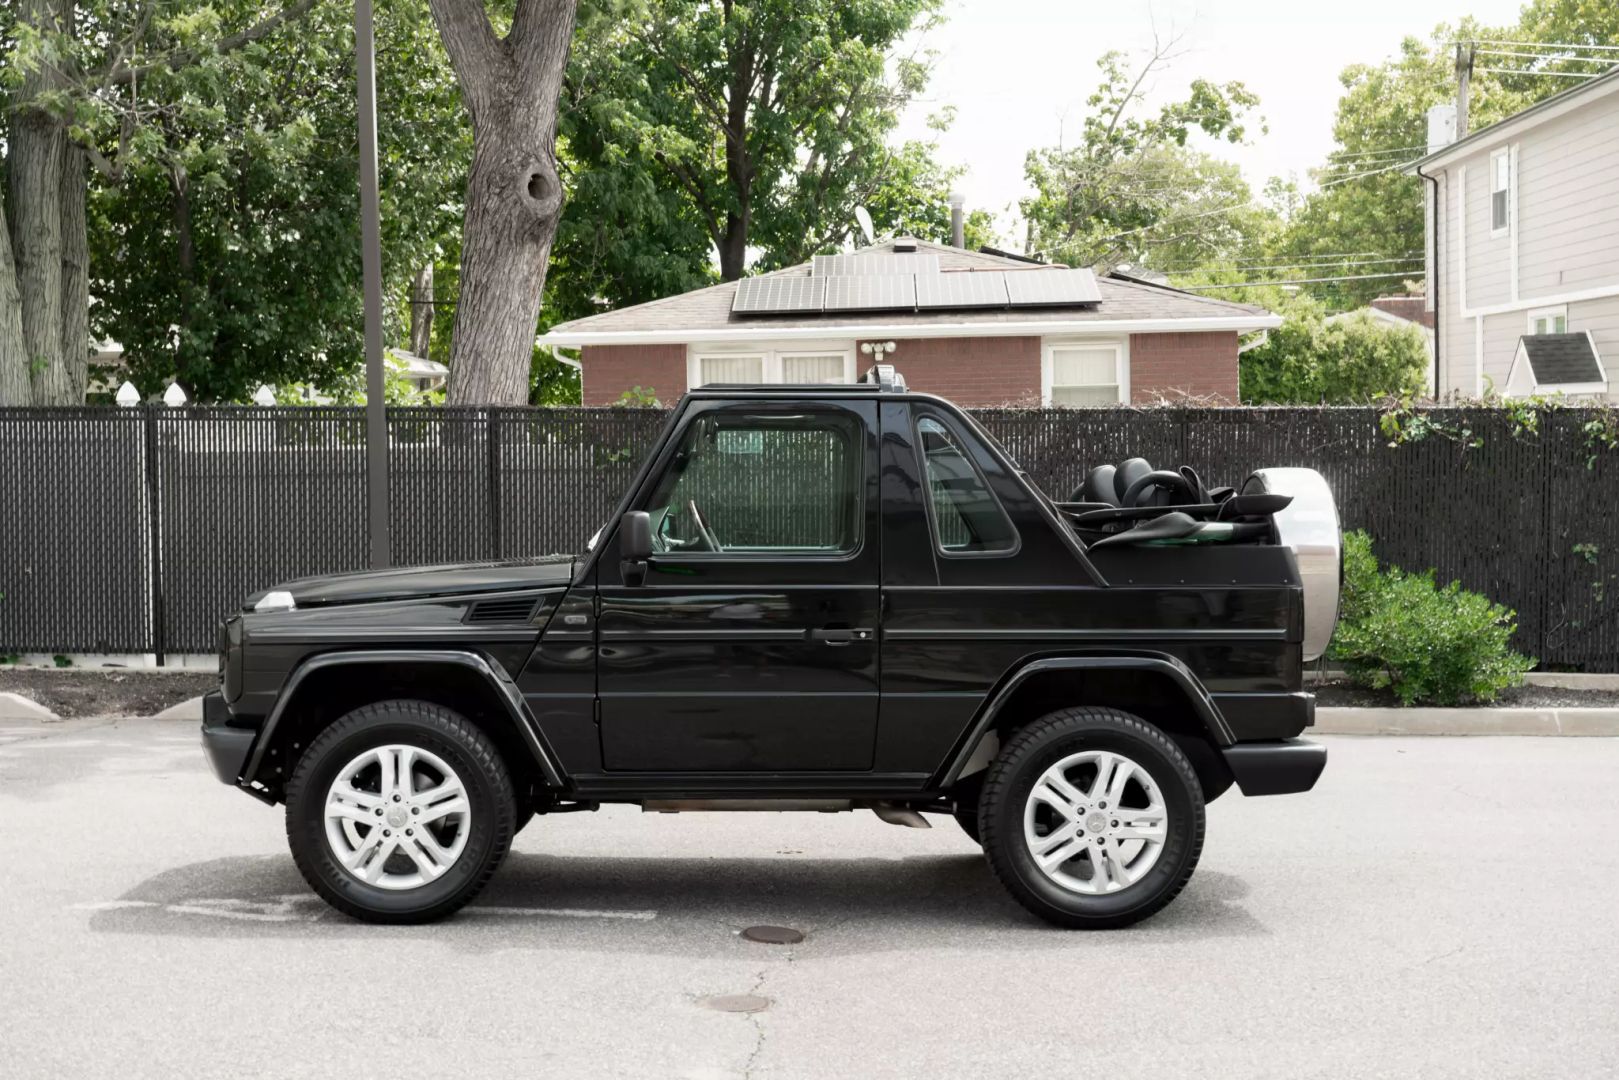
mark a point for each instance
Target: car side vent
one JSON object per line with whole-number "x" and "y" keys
{"x": 507, "y": 609}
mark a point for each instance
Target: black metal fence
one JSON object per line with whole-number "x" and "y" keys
{"x": 134, "y": 531}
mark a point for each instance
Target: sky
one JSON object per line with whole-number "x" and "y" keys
{"x": 1018, "y": 71}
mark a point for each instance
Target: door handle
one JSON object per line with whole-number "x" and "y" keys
{"x": 840, "y": 635}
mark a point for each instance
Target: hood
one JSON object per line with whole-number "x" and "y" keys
{"x": 415, "y": 582}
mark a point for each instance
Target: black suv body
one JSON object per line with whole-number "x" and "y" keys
{"x": 810, "y": 598}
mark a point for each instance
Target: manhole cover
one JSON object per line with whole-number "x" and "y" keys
{"x": 737, "y": 1003}
{"x": 773, "y": 935}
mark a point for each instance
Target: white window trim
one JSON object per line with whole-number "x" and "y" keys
{"x": 1546, "y": 313}
{"x": 1121, "y": 353}
{"x": 1504, "y": 153}
{"x": 772, "y": 352}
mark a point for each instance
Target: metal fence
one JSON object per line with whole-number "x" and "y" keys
{"x": 134, "y": 531}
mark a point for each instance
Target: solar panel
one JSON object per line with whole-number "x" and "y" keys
{"x": 1035, "y": 288}
{"x": 888, "y": 292}
{"x": 977, "y": 289}
{"x": 874, "y": 265}
{"x": 778, "y": 294}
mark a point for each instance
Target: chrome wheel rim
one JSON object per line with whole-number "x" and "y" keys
{"x": 397, "y": 817}
{"x": 1095, "y": 822}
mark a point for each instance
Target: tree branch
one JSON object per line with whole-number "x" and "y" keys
{"x": 122, "y": 75}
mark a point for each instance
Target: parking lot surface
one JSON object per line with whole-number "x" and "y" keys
{"x": 1436, "y": 908}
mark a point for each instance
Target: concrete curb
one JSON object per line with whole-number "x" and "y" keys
{"x": 189, "y": 709}
{"x": 1480, "y": 721}
{"x": 15, "y": 707}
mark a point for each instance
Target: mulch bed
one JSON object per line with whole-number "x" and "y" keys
{"x": 1341, "y": 693}
{"x": 106, "y": 691}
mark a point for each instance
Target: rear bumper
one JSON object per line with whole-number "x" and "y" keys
{"x": 225, "y": 746}
{"x": 1276, "y": 768}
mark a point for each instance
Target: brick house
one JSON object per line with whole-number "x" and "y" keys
{"x": 1039, "y": 335}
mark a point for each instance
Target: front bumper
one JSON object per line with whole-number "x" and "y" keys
{"x": 1276, "y": 768}
{"x": 225, "y": 746}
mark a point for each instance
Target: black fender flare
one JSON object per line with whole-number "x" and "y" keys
{"x": 1197, "y": 697}
{"x": 496, "y": 676}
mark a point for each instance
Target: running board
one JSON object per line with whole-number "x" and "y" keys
{"x": 892, "y": 813}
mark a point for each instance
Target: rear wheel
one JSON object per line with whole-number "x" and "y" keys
{"x": 400, "y": 812}
{"x": 1092, "y": 818}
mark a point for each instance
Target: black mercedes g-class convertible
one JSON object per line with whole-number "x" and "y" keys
{"x": 811, "y": 598}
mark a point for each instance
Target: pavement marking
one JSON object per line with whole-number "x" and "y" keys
{"x": 283, "y": 909}
{"x": 566, "y": 913}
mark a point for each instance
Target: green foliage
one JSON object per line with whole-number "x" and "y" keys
{"x": 224, "y": 238}
{"x": 1366, "y": 202}
{"x": 62, "y": 661}
{"x": 1134, "y": 189}
{"x": 1428, "y": 644}
{"x": 748, "y": 127}
{"x": 1311, "y": 361}
{"x": 349, "y": 388}
{"x": 638, "y": 397}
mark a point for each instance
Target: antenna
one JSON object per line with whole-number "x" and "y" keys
{"x": 863, "y": 218}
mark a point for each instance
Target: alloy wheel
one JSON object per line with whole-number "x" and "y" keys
{"x": 397, "y": 817}
{"x": 1095, "y": 822}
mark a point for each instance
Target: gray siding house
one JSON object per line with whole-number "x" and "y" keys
{"x": 1524, "y": 241}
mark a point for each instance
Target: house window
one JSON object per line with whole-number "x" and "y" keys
{"x": 1500, "y": 191}
{"x": 760, "y": 364}
{"x": 1549, "y": 320}
{"x": 1086, "y": 374}
{"x": 730, "y": 369}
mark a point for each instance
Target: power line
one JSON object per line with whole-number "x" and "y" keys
{"x": 1551, "y": 57}
{"x": 1554, "y": 74}
{"x": 1545, "y": 45}
{"x": 1390, "y": 152}
{"x": 1295, "y": 281}
{"x": 1362, "y": 175}
{"x": 1317, "y": 265}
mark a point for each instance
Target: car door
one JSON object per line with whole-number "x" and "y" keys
{"x": 751, "y": 644}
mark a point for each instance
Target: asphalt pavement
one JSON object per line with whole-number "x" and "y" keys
{"x": 1435, "y": 908}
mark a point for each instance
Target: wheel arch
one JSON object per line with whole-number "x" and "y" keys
{"x": 1157, "y": 687}
{"x": 323, "y": 687}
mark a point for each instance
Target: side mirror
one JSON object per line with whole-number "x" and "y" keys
{"x": 634, "y": 546}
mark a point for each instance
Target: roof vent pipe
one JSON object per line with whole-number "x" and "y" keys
{"x": 958, "y": 221}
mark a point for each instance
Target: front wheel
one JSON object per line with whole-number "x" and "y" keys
{"x": 1092, "y": 818}
{"x": 400, "y": 812}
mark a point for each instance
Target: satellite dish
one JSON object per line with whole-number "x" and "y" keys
{"x": 863, "y": 218}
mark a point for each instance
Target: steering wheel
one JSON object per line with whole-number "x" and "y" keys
{"x": 702, "y": 526}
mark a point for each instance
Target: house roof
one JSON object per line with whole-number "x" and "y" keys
{"x": 1562, "y": 359}
{"x": 705, "y": 314}
{"x": 1545, "y": 109}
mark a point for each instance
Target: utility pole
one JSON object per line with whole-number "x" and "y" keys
{"x": 1464, "y": 83}
{"x": 376, "y": 416}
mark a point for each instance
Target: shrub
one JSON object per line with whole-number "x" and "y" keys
{"x": 1429, "y": 644}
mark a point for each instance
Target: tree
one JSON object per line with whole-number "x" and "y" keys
{"x": 76, "y": 76}
{"x": 1132, "y": 190}
{"x": 770, "y": 117}
{"x": 1354, "y": 360}
{"x": 225, "y": 252}
{"x": 510, "y": 85}
{"x": 1367, "y": 215}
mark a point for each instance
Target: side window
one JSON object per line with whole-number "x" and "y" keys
{"x": 967, "y": 518}
{"x": 744, "y": 483}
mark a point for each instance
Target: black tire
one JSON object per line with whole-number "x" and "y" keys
{"x": 1033, "y": 750}
{"x": 968, "y": 820}
{"x": 491, "y": 818}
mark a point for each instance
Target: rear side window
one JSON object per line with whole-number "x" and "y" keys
{"x": 967, "y": 518}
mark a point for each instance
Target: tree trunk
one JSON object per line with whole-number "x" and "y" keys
{"x": 421, "y": 311}
{"x": 514, "y": 196}
{"x": 505, "y": 245}
{"x": 34, "y": 168}
{"x": 14, "y": 387}
{"x": 75, "y": 281}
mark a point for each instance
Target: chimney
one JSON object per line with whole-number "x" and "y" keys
{"x": 958, "y": 222}
{"x": 1441, "y": 126}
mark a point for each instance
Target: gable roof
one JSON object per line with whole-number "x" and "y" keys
{"x": 1561, "y": 359}
{"x": 1559, "y": 103}
{"x": 705, "y": 314}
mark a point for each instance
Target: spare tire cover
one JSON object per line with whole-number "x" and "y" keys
{"x": 1309, "y": 525}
